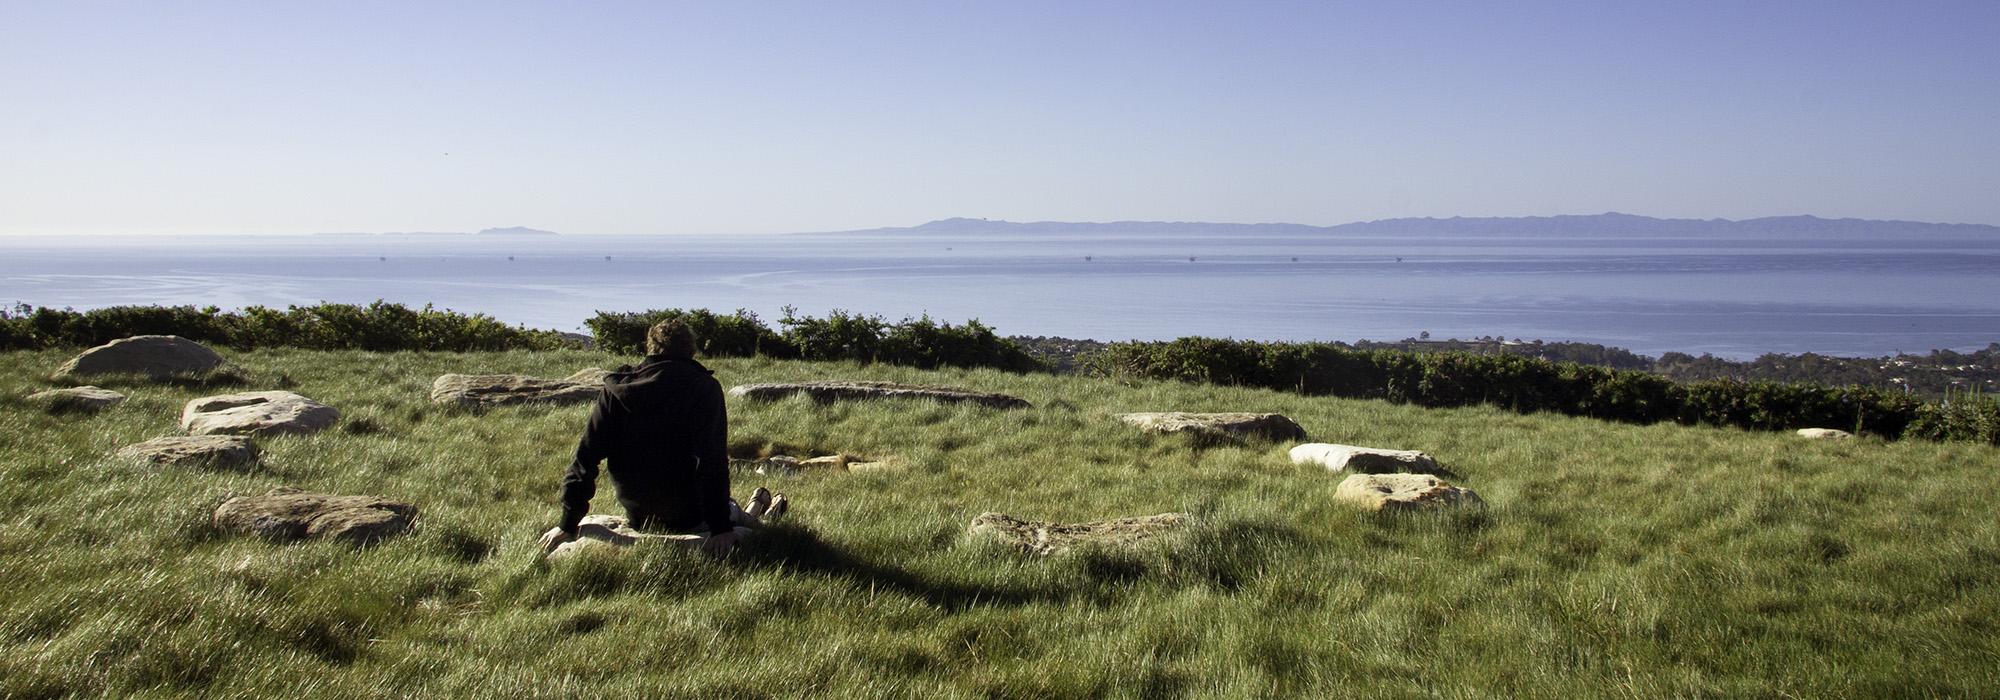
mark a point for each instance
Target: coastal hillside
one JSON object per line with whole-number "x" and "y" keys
{"x": 1611, "y": 560}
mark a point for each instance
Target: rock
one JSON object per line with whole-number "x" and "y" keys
{"x": 883, "y": 465}
{"x": 1824, "y": 434}
{"x": 156, "y": 356}
{"x": 1364, "y": 460}
{"x": 82, "y": 398}
{"x": 857, "y": 391}
{"x": 612, "y": 532}
{"x": 476, "y": 390}
{"x": 223, "y": 451}
{"x": 1049, "y": 538}
{"x": 1209, "y": 428}
{"x": 256, "y": 413}
{"x": 1404, "y": 492}
{"x": 781, "y": 464}
{"x": 287, "y": 514}
{"x": 834, "y": 462}
{"x": 775, "y": 464}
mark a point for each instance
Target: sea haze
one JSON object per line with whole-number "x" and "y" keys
{"x": 1736, "y": 297}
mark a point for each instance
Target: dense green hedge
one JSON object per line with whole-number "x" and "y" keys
{"x": 1533, "y": 385}
{"x": 379, "y": 326}
{"x": 920, "y": 342}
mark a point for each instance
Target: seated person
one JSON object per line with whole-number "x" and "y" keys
{"x": 662, "y": 429}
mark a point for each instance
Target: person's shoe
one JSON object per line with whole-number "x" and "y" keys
{"x": 779, "y": 504}
{"x": 760, "y": 502}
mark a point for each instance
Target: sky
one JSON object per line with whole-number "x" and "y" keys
{"x": 761, "y": 117}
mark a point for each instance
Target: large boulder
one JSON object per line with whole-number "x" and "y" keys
{"x": 1035, "y": 537}
{"x": 477, "y": 390}
{"x": 613, "y": 533}
{"x": 222, "y": 451}
{"x": 256, "y": 413}
{"x": 1404, "y": 492}
{"x": 156, "y": 356}
{"x": 287, "y": 514}
{"x": 1230, "y": 428}
{"x": 1364, "y": 460}
{"x": 830, "y": 391}
{"x": 1824, "y": 434}
{"x": 82, "y": 398}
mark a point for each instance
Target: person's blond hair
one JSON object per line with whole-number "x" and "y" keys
{"x": 671, "y": 338}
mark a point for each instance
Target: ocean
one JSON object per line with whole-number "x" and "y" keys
{"x": 1734, "y": 298}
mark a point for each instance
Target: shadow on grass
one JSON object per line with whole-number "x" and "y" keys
{"x": 800, "y": 550}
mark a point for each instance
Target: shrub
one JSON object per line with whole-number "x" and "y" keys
{"x": 841, "y": 335}
{"x": 740, "y": 334}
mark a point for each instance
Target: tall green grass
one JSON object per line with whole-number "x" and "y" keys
{"x": 1616, "y": 560}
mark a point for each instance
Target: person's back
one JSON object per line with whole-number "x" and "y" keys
{"x": 663, "y": 428}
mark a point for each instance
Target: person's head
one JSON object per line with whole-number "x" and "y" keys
{"x": 671, "y": 338}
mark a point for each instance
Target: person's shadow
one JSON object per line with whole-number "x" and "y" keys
{"x": 797, "y": 549}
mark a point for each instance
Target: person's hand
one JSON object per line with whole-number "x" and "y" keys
{"x": 720, "y": 545}
{"x": 554, "y": 538}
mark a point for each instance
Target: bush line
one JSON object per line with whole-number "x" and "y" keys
{"x": 919, "y": 342}
{"x": 385, "y": 327}
{"x": 378, "y": 326}
{"x": 1531, "y": 385}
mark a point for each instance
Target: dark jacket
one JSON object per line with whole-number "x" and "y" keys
{"x": 663, "y": 429}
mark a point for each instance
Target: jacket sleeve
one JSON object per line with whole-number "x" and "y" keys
{"x": 711, "y": 444}
{"x": 580, "y": 483}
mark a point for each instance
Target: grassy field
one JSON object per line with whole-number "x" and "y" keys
{"x": 1615, "y": 560}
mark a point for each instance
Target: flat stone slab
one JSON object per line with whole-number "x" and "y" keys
{"x": 782, "y": 464}
{"x": 287, "y": 514}
{"x": 477, "y": 390}
{"x": 829, "y": 391}
{"x": 156, "y": 356}
{"x": 1824, "y": 434}
{"x": 1232, "y": 428}
{"x": 222, "y": 451}
{"x": 1364, "y": 460}
{"x": 256, "y": 413}
{"x": 82, "y": 398}
{"x": 1405, "y": 492}
{"x": 1044, "y": 538}
{"x": 612, "y": 532}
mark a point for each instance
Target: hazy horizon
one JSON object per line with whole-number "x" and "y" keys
{"x": 637, "y": 118}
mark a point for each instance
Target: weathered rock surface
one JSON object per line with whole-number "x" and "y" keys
{"x": 830, "y": 391}
{"x": 256, "y": 413}
{"x": 782, "y": 464}
{"x": 155, "y": 356}
{"x": 287, "y": 514}
{"x": 1218, "y": 427}
{"x": 222, "y": 451}
{"x": 476, "y": 390}
{"x": 1405, "y": 492}
{"x": 1364, "y": 460}
{"x": 82, "y": 398}
{"x": 1044, "y": 538}
{"x": 1824, "y": 434}
{"x": 613, "y": 532}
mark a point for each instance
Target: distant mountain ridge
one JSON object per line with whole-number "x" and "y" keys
{"x": 1606, "y": 224}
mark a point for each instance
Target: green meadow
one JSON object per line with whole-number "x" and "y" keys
{"x": 1613, "y": 560}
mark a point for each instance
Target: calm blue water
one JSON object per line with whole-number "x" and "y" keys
{"x": 1734, "y": 298}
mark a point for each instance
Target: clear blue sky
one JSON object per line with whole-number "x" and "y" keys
{"x": 659, "y": 117}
